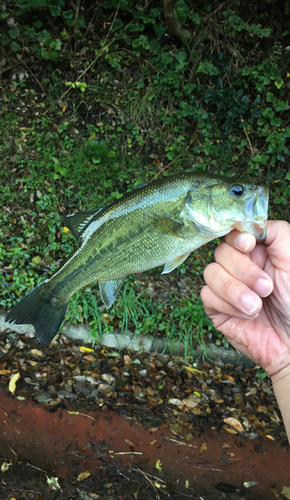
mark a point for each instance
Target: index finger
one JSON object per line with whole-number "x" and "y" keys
{"x": 277, "y": 241}
{"x": 245, "y": 242}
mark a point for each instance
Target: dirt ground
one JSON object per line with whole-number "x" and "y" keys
{"x": 82, "y": 423}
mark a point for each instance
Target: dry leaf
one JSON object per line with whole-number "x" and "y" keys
{"x": 286, "y": 491}
{"x": 36, "y": 353}
{"x": 12, "y": 383}
{"x": 229, "y": 429}
{"x": 193, "y": 370}
{"x": 5, "y": 372}
{"x": 83, "y": 475}
{"x": 89, "y": 358}
{"x": 5, "y": 466}
{"x": 233, "y": 422}
{"x": 53, "y": 483}
{"x": 129, "y": 442}
{"x": 127, "y": 360}
{"x": 261, "y": 409}
{"x": 85, "y": 349}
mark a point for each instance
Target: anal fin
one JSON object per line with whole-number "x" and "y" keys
{"x": 172, "y": 264}
{"x": 109, "y": 291}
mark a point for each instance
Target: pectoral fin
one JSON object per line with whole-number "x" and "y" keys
{"x": 78, "y": 221}
{"x": 164, "y": 224}
{"x": 172, "y": 264}
{"x": 109, "y": 291}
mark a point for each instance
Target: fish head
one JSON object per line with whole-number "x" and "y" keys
{"x": 216, "y": 206}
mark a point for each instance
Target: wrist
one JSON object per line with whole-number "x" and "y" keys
{"x": 281, "y": 376}
{"x": 281, "y": 386}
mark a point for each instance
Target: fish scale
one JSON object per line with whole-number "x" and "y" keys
{"x": 159, "y": 223}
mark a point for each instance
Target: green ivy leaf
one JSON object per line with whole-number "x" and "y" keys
{"x": 246, "y": 71}
{"x": 14, "y": 33}
{"x": 276, "y": 122}
{"x": 15, "y": 46}
{"x": 279, "y": 82}
{"x": 208, "y": 68}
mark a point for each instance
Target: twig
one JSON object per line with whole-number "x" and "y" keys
{"x": 248, "y": 138}
{"x": 182, "y": 152}
{"x": 83, "y": 73}
{"x": 149, "y": 481}
{"x": 128, "y": 453}
{"x": 35, "y": 77}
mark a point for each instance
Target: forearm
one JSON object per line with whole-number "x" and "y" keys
{"x": 281, "y": 386}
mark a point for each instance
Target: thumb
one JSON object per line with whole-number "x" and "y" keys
{"x": 278, "y": 243}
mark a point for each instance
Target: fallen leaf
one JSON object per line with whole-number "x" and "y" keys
{"x": 5, "y": 372}
{"x": 248, "y": 484}
{"x": 89, "y": 358}
{"x": 36, "y": 353}
{"x": 193, "y": 370}
{"x": 261, "y": 409}
{"x": 5, "y": 466}
{"x": 233, "y": 422}
{"x": 127, "y": 360}
{"x": 286, "y": 491}
{"x": 53, "y": 483}
{"x": 203, "y": 448}
{"x": 158, "y": 465}
{"x": 82, "y": 348}
{"x": 12, "y": 383}
{"x": 229, "y": 429}
{"x": 83, "y": 475}
{"x": 129, "y": 442}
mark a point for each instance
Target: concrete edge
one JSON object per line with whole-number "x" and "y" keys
{"x": 139, "y": 343}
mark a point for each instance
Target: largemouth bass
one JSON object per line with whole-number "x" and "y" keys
{"x": 159, "y": 223}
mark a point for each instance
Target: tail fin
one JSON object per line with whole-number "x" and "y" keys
{"x": 41, "y": 310}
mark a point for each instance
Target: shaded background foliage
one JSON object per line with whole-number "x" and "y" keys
{"x": 100, "y": 97}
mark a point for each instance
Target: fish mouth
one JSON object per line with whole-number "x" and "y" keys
{"x": 259, "y": 229}
{"x": 256, "y": 214}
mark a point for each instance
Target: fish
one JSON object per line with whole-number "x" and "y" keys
{"x": 156, "y": 224}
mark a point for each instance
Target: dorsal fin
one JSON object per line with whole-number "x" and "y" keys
{"x": 78, "y": 221}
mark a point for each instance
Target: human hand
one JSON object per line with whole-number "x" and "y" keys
{"x": 247, "y": 295}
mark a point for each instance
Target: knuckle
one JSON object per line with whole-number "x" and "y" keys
{"x": 227, "y": 286}
{"x": 219, "y": 250}
{"x": 209, "y": 271}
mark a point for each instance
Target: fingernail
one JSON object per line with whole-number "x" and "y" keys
{"x": 250, "y": 303}
{"x": 243, "y": 242}
{"x": 263, "y": 287}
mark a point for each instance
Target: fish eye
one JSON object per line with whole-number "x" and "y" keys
{"x": 237, "y": 190}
